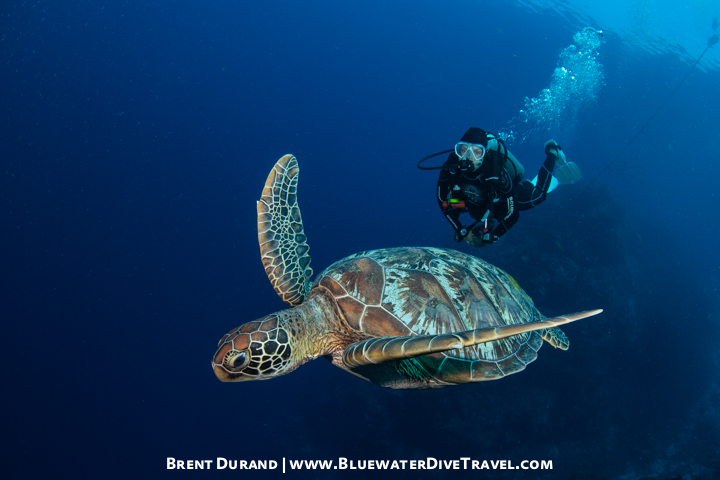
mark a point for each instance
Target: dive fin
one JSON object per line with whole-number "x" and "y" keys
{"x": 566, "y": 172}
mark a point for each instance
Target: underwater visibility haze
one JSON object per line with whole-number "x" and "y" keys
{"x": 136, "y": 141}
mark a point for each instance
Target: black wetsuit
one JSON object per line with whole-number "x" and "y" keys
{"x": 474, "y": 188}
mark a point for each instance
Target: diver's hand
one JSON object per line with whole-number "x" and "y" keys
{"x": 474, "y": 240}
{"x": 480, "y": 240}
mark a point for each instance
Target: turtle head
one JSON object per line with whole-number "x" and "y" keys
{"x": 258, "y": 350}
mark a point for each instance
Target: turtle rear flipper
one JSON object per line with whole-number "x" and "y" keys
{"x": 283, "y": 244}
{"x": 555, "y": 337}
{"x": 384, "y": 349}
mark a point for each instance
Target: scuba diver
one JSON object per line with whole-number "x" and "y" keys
{"x": 481, "y": 177}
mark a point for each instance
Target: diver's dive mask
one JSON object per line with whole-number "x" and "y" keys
{"x": 469, "y": 154}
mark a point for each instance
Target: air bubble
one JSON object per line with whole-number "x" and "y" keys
{"x": 561, "y": 103}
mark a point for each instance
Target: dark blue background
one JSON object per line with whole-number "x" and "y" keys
{"x": 135, "y": 142}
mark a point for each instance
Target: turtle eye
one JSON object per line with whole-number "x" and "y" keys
{"x": 235, "y": 360}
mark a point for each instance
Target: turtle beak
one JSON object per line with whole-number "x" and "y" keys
{"x": 258, "y": 350}
{"x": 220, "y": 373}
{"x": 231, "y": 357}
{"x": 217, "y": 363}
{"x": 225, "y": 376}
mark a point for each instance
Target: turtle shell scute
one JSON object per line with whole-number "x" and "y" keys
{"x": 431, "y": 291}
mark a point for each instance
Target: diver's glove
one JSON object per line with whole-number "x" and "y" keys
{"x": 552, "y": 148}
{"x": 474, "y": 240}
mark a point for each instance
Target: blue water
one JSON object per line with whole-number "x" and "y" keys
{"x": 136, "y": 139}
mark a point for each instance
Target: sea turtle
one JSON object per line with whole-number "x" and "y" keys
{"x": 413, "y": 317}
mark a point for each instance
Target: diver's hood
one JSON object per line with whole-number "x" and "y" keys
{"x": 475, "y": 135}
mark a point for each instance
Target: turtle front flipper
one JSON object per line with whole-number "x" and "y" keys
{"x": 283, "y": 244}
{"x": 384, "y": 349}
